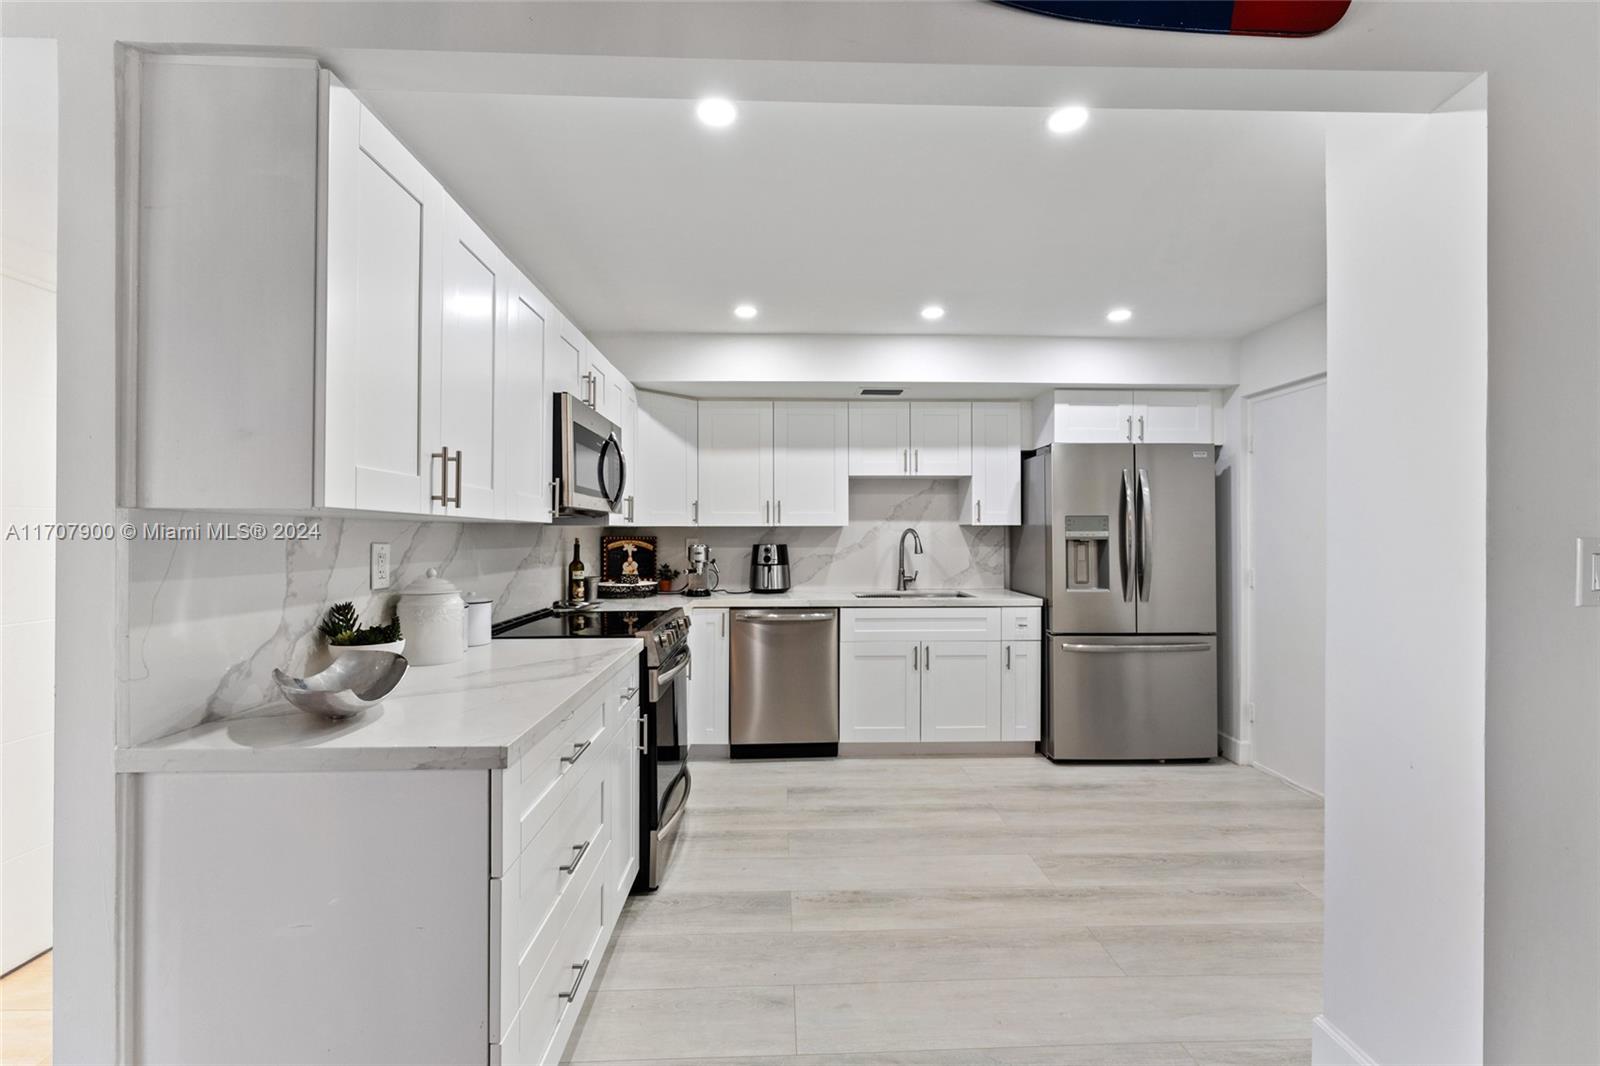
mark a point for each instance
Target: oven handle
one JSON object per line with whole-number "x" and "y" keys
{"x": 660, "y": 678}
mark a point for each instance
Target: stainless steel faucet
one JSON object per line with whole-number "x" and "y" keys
{"x": 902, "y": 579}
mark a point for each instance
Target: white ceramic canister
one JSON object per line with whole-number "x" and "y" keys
{"x": 480, "y": 619}
{"x": 432, "y": 615}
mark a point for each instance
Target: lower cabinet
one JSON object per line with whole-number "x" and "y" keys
{"x": 708, "y": 676}
{"x": 897, "y": 688}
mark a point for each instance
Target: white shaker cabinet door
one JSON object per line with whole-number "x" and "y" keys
{"x": 1094, "y": 416}
{"x": 522, "y": 420}
{"x": 1174, "y": 417}
{"x": 567, "y": 364}
{"x": 1020, "y": 694}
{"x": 941, "y": 439}
{"x": 476, "y": 287}
{"x": 708, "y": 676}
{"x": 735, "y": 464}
{"x": 810, "y": 464}
{"x": 961, "y": 690}
{"x": 994, "y": 496}
{"x": 385, "y": 231}
{"x": 879, "y": 698}
{"x": 666, "y": 461}
{"x": 880, "y": 439}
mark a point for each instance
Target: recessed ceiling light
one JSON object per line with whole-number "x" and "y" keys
{"x": 1119, "y": 314}
{"x": 716, "y": 111}
{"x": 745, "y": 311}
{"x": 933, "y": 312}
{"x": 1068, "y": 119}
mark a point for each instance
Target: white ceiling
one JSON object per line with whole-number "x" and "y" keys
{"x": 848, "y": 217}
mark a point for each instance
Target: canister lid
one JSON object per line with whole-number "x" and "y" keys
{"x": 430, "y": 585}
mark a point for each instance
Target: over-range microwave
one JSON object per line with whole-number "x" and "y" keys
{"x": 591, "y": 473}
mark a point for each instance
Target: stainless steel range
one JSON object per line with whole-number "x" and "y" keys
{"x": 663, "y": 703}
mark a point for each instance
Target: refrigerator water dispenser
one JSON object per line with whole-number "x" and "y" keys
{"x": 1088, "y": 552}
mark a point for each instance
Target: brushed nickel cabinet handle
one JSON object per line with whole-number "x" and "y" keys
{"x": 572, "y": 993}
{"x": 780, "y": 512}
{"x": 1141, "y": 427}
{"x": 1008, "y": 656}
{"x": 927, "y": 656}
{"x": 582, "y": 850}
{"x": 456, "y": 500}
{"x": 695, "y": 513}
{"x": 905, "y": 460}
{"x": 1130, "y": 429}
{"x": 443, "y": 495}
{"x": 644, "y": 748}
{"x": 916, "y": 460}
{"x": 577, "y": 752}
{"x": 980, "y": 512}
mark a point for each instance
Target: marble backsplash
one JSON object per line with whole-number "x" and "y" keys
{"x": 208, "y": 619}
{"x": 862, "y": 554}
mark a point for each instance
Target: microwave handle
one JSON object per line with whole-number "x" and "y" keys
{"x": 613, "y": 497}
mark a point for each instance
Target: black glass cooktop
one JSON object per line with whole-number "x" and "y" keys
{"x": 576, "y": 624}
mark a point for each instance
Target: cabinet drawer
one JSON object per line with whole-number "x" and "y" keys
{"x": 548, "y": 1013}
{"x": 1021, "y": 623}
{"x": 860, "y": 624}
{"x": 532, "y": 789}
{"x": 535, "y": 889}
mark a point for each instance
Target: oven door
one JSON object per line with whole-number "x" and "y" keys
{"x": 664, "y": 770}
{"x": 591, "y": 472}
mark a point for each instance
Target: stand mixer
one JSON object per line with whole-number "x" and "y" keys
{"x": 699, "y": 566}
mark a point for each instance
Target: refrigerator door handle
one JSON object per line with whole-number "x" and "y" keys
{"x": 1147, "y": 536}
{"x": 1113, "y": 649}
{"x": 1127, "y": 538}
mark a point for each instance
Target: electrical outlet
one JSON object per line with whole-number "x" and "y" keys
{"x": 381, "y": 577}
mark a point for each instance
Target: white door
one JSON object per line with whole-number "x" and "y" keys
{"x": 1020, "y": 694}
{"x": 522, "y": 418}
{"x": 961, "y": 690}
{"x": 568, "y": 360}
{"x": 620, "y": 809}
{"x": 708, "y": 677}
{"x": 941, "y": 439}
{"x": 880, "y": 439}
{"x": 476, "y": 287}
{"x": 1288, "y": 555}
{"x": 1172, "y": 417}
{"x": 625, "y": 402}
{"x": 879, "y": 697}
{"x": 995, "y": 494}
{"x": 384, "y": 235}
{"x": 735, "y": 463}
{"x": 810, "y": 464}
{"x": 603, "y": 386}
{"x": 1094, "y": 416}
{"x": 666, "y": 460}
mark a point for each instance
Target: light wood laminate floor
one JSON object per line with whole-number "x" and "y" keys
{"x": 963, "y": 911}
{"x": 25, "y": 1008}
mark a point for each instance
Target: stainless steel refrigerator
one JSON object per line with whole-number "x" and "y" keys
{"x": 1120, "y": 542}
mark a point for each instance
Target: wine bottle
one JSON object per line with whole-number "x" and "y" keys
{"x": 575, "y": 575}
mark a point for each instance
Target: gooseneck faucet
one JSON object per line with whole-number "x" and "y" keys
{"x": 903, "y": 580}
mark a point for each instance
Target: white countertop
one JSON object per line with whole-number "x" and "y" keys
{"x": 481, "y": 713}
{"x": 825, "y": 597}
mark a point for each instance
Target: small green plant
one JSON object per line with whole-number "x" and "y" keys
{"x": 343, "y": 628}
{"x": 666, "y": 571}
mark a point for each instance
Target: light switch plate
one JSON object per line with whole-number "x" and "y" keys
{"x": 380, "y": 578}
{"x": 1588, "y": 585}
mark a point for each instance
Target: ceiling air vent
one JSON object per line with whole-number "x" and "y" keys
{"x": 882, "y": 392}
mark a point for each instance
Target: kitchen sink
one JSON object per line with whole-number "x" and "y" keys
{"x": 914, "y": 594}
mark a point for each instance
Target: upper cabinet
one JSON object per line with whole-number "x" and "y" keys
{"x": 318, "y": 323}
{"x": 666, "y": 461}
{"x": 894, "y": 439}
{"x": 994, "y": 495}
{"x": 773, "y": 464}
{"x": 1123, "y": 416}
{"x": 735, "y": 463}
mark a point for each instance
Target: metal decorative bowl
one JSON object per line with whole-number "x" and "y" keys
{"x": 355, "y": 681}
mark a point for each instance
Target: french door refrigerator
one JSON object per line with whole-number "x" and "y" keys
{"x": 1120, "y": 542}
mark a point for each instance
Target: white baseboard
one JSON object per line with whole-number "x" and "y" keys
{"x": 1233, "y": 749}
{"x": 1331, "y": 1047}
{"x": 1291, "y": 782}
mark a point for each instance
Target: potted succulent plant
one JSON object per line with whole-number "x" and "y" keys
{"x": 344, "y": 632}
{"x": 665, "y": 573}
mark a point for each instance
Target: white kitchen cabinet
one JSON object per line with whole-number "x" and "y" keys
{"x": 708, "y": 676}
{"x": 880, "y": 439}
{"x": 735, "y": 463}
{"x": 994, "y": 495}
{"x": 621, "y": 806}
{"x": 961, "y": 681}
{"x": 1093, "y": 416}
{"x": 810, "y": 464}
{"x": 625, "y": 401}
{"x": 567, "y": 363}
{"x": 941, "y": 439}
{"x": 666, "y": 461}
{"x": 386, "y": 229}
{"x": 880, "y": 694}
{"x": 1175, "y": 417}
{"x": 477, "y": 285}
{"x": 522, "y": 406}
{"x": 1021, "y": 695}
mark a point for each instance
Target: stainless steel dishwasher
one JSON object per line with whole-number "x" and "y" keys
{"x": 783, "y": 683}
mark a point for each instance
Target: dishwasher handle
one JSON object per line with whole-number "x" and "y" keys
{"x": 783, "y": 616}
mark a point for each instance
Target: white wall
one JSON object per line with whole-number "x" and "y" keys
{"x": 27, "y": 492}
{"x": 1403, "y": 957}
{"x": 1281, "y": 353}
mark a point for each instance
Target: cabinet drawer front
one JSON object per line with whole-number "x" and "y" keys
{"x": 532, "y": 789}
{"x": 1021, "y": 623}
{"x": 559, "y": 983}
{"x": 919, "y": 623}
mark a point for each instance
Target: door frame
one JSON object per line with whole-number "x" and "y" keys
{"x": 1244, "y": 585}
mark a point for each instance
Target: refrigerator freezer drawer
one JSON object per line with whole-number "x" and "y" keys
{"x": 1135, "y": 697}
